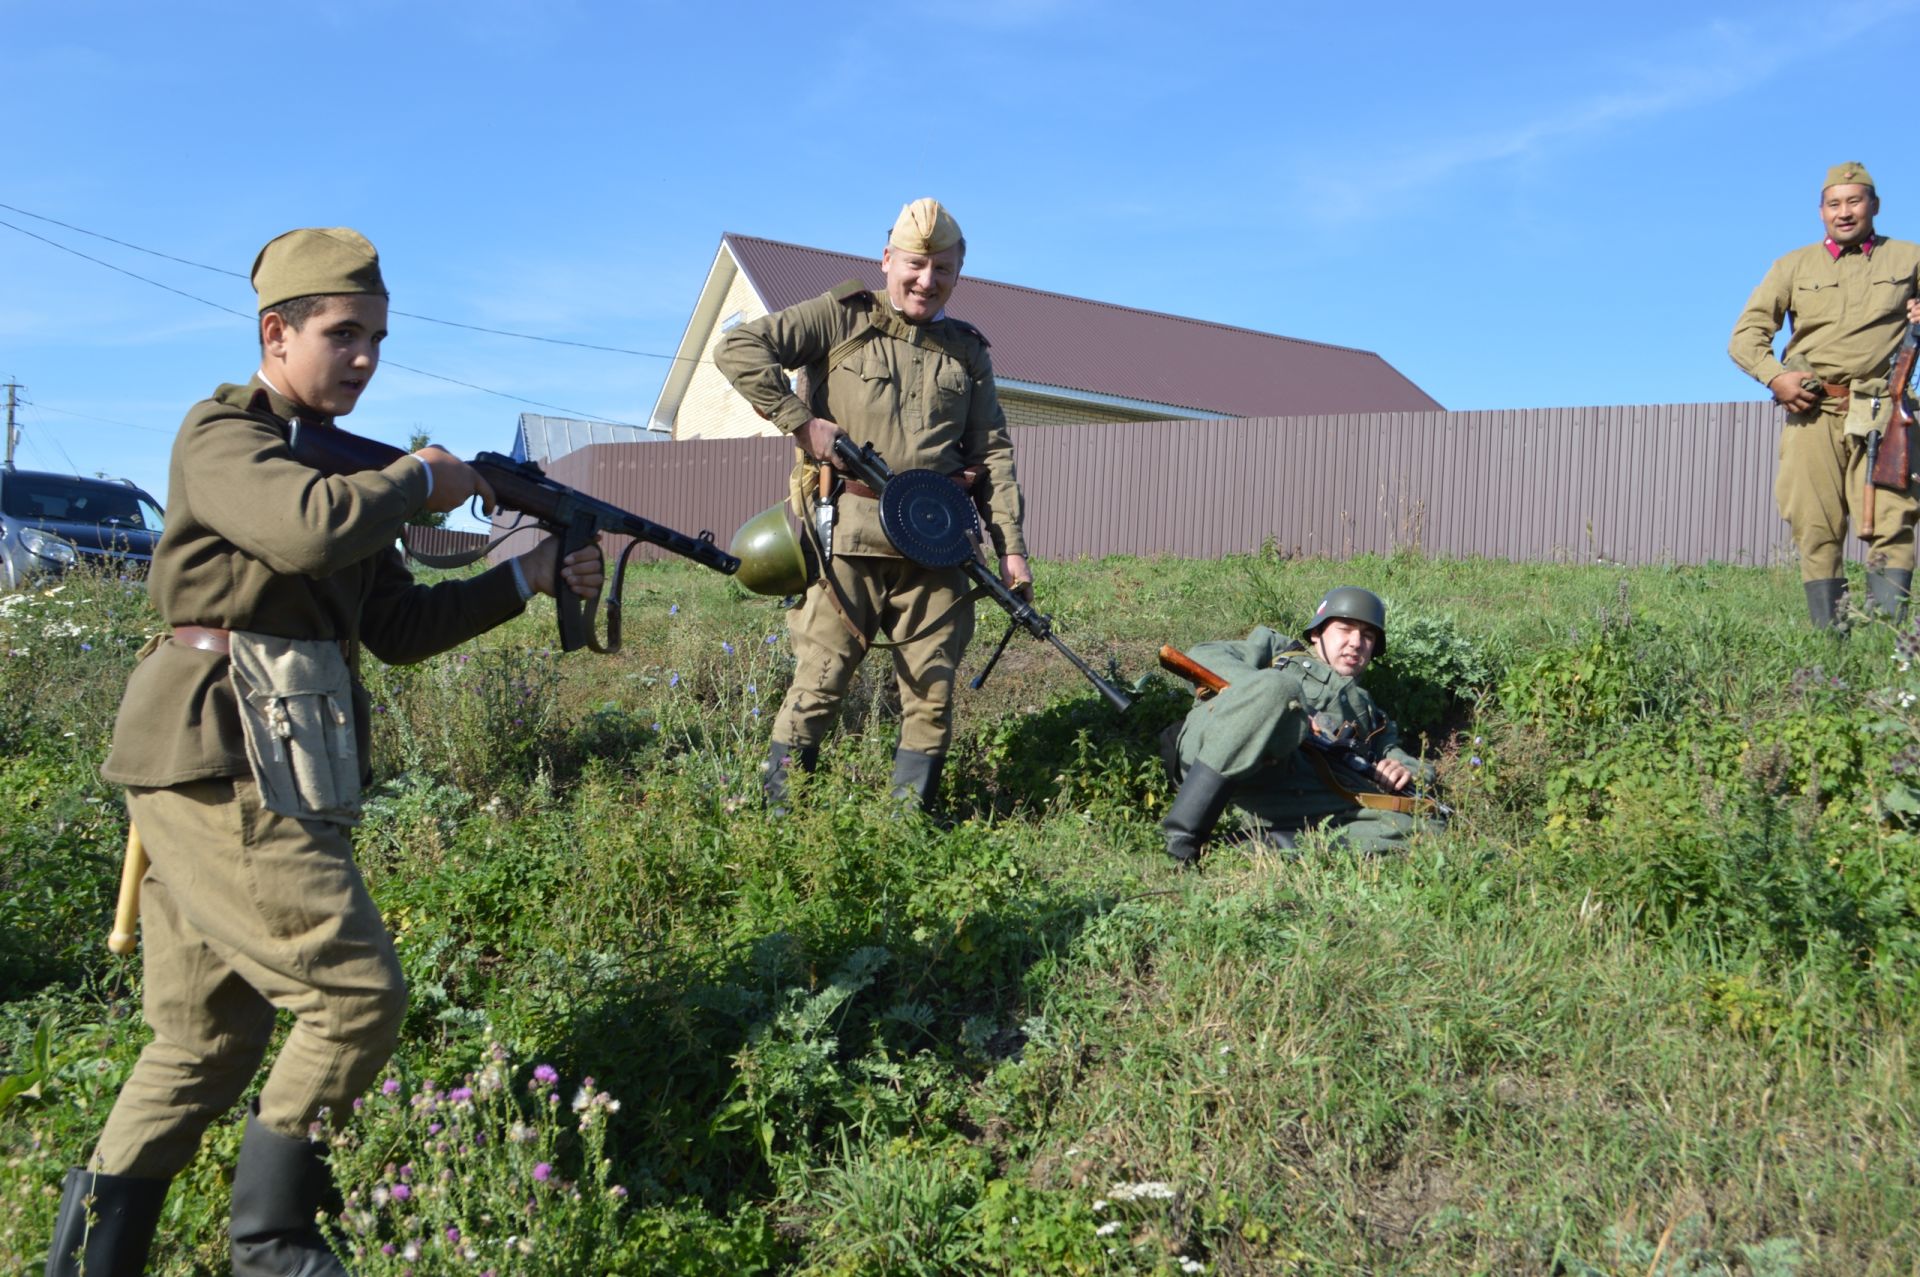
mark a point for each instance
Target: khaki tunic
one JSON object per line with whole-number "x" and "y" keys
{"x": 244, "y": 911}
{"x": 1848, "y": 318}
{"x": 1253, "y": 732}
{"x": 924, "y": 397}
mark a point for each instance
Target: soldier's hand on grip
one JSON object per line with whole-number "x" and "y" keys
{"x": 817, "y": 438}
{"x": 583, "y": 571}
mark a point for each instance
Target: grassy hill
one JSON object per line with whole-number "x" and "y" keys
{"x": 1647, "y": 1006}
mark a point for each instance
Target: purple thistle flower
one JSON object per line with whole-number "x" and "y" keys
{"x": 388, "y": 1248}
{"x": 401, "y": 1192}
{"x": 543, "y": 1172}
{"x": 461, "y": 1095}
{"x": 545, "y": 1074}
{"x": 434, "y": 1128}
{"x": 389, "y": 1086}
{"x": 453, "y": 1234}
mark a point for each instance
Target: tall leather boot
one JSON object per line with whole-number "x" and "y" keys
{"x": 107, "y": 1221}
{"x": 1823, "y": 600}
{"x": 1197, "y": 808}
{"x": 278, "y": 1184}
{"x": 917, "y": 776}
{"x": 1888, "y": 589}
{"x": 781, "y": 758}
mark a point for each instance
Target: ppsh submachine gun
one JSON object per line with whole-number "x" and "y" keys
{"x": 521, "y": 486}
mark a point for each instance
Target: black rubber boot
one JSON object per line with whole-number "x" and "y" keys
{"x": 1888, "y": 591}
{"x": 108, "y": 1222}
{"x": 781, "y": 759}
{"x": 1823, "y": 601}
{"x": 917, "y": 776}
{"x": 1197, "y": 808}
{"x": 278, "y": 1184}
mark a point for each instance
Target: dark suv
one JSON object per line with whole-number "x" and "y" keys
{"x": 51, "y": 522}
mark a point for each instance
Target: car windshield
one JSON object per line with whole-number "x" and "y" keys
{"x": 59, "y": 499}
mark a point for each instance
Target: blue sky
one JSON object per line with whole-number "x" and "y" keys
{"x": 1518, "y": 205}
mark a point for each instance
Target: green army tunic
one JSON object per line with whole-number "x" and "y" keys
{"x": 244, "y": 911}
{"x": 1848, "y": 315}
{"x": 923, "y": 395}
{"x": 256, "y": 541}
{"x": 1277, "y": 696}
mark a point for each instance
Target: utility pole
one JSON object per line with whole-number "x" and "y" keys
{"x": 13, "y": 434}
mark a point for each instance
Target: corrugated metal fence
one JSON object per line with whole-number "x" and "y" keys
{"x": 1673, "y": 483}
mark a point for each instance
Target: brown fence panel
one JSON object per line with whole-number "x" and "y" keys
{"x": 1672, "y": 483}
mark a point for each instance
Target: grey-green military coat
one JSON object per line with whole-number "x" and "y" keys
{"x": 1278, "y": 695}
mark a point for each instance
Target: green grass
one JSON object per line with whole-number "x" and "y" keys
{"x": 1647, "y": 1006}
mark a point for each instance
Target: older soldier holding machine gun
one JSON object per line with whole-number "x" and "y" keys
{"x": 892, "y": 370}
{"x": 1851, "y": 298}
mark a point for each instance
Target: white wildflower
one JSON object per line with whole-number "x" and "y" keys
{"x": 1107, "y": 1229}
{"x": 1152, "y": 1188}
{"x": 1191, "y": 1265}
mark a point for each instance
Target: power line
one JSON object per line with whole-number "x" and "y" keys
{"x": 571, "y": 412}
{"x": 221, "y": 270}
{"x": 123, "y": 270}
{"x": 105, "y": 421}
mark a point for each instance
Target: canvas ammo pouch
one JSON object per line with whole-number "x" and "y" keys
{"x": 296, "y": 708}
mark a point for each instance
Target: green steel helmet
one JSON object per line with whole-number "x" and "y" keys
{"x": 771, "y": 558}
{"x": 1348, "y": 603}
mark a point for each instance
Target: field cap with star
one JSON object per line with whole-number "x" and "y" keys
{"x": 1852, "y": 173}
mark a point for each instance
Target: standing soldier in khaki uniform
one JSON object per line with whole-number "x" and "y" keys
{"x": 242, "y": 741}
{"x": 895, "y": 371}
{"x": 1851, "y": 297}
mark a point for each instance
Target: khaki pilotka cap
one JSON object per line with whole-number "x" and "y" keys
{"x": 316, "y": 261}
{"x": 924, "y": 227}
{"x": 1852, "y": 173}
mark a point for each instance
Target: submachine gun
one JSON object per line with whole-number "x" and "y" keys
{"x": 523, "y": 487}
{"x": 933, "y": 522}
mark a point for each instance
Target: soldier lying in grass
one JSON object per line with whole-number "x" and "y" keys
{"x": 1293, "y": 741}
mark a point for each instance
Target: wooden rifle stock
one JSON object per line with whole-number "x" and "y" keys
{"x": 1893, "y": 462}
{"x": 1205, "y": 682}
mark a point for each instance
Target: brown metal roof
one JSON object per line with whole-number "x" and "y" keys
{"x": 1103, "y": 349}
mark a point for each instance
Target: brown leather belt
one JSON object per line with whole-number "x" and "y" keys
{"x": 1836, "y": 389}
{"x": 204, "y": 637}
{"x": 210, "y": 638}
{"x": 964, "y": 479}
